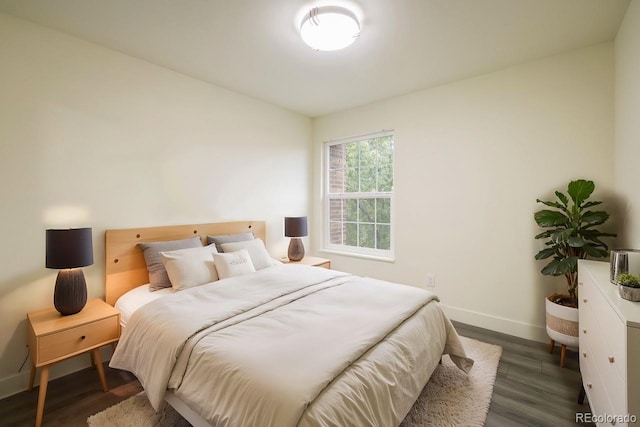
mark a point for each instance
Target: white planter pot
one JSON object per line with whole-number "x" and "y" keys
{"x": 562, "y": 323}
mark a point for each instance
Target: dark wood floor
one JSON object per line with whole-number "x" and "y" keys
{"x": 531, "y": 389}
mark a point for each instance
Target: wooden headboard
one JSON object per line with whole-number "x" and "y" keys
{"x": 125, "y": 267}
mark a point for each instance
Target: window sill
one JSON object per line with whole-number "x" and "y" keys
{"x": 356, "y": 255}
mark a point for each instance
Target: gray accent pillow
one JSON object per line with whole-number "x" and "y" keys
{"x": 158, "y": 278}
{"x": 229, "y": 238}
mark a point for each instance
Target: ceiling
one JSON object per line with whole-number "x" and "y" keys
{"x": 253, "y": 46}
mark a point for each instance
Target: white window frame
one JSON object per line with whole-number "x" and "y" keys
{"x": 356, "y": 251}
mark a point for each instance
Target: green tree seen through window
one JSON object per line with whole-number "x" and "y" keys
{"x": 360, "y": 193}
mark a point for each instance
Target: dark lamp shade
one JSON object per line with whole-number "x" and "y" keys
{"x": 69, "y": 248}
{"x": 295, "y": 226}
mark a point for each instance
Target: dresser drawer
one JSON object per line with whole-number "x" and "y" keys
{"x": 617, "y": 393}
{"x": 604, "y": 330}
{"x": 588, "y": 330}
{"x": 596, "y": 391}
{"x": 75, "y": 340}
{"x": 610, "y": 371}
{"x": 613, "y": 382}
{"x": 584, "y": 359}
{"x": 592, "y": 385}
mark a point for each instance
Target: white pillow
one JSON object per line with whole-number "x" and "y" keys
{"x": 258, "y": 253}
{"x": 190, "y": 267}
{"x": 233, "y": 264}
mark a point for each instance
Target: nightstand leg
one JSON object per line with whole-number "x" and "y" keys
{"x": 42, "y": 394}
{"x": 98, "y": 360}
{"x": 32, "y": 377}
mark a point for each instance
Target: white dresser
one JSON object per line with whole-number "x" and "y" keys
{"x": 609, "y": 346}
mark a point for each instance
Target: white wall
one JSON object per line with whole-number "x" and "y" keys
{"x": 91, "y": 137}
{"x": 627, "y": 128}
{"x": 471, "y": 159}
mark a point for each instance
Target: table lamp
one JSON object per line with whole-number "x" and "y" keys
{"x": 68, "y": 250}
{"x": 295, "y": 227}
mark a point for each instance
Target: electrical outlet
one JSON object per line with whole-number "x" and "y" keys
{"x": 431, "y": 280}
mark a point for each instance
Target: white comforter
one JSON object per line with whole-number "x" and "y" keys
{"x": 263, "y": 349}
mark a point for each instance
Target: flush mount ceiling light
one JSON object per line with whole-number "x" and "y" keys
{"x": 329, "y": 28}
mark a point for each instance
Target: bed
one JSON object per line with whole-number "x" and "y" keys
{"x": 287, "y": 345}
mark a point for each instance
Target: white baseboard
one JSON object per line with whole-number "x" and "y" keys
{"x": 19, "y": 382}
{"x": 14, "y": 384}
{"x": 498, "y": 324}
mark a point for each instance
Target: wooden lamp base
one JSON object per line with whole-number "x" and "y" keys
{"x": 70, "y": 294}
{"x": 296, "y": 249}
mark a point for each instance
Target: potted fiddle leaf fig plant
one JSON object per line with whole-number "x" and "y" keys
{"x": 571, "y": 233}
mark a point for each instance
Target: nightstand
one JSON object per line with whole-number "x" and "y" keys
{"x": 53, "y": 338}
{"x": 314, "y": 261}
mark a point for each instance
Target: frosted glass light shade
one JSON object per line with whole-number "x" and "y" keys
{"x": 329, "y": 28}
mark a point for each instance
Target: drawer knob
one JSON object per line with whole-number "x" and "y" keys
{"x": 584, "y": 300}
{"x": 590, "y": 385}
{"x": 82, "y": 337}
{"x": 580, "y": 283}
{"x": 611, "y": 359}
{"x": 584, "y": 354}
{"x": 584, "y": 330}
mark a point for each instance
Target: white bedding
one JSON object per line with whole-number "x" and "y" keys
{"x": 290, "y": 345}
{"x": 136, "y": 298}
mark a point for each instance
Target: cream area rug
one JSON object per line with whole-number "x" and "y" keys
{"x": 450, "y": 398}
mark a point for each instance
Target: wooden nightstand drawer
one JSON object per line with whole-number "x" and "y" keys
{"x": 76, "y": 340}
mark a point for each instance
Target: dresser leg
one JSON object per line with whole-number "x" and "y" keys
{"x": 563, "y": 353}
{"x": 42, "y": 394}
{"x": 581, "y": 395}
{"x": 551, "y": 346}
{"x": 98, "y": 360}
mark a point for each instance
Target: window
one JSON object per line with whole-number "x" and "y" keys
{"x": 359, "y": 195}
